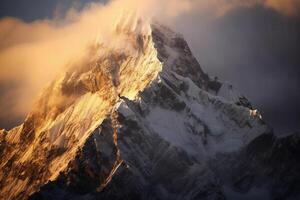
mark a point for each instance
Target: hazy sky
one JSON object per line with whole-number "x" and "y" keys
{"x": 255, "y": 47}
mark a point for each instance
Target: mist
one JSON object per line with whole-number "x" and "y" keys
{"x": 34, "y": 53}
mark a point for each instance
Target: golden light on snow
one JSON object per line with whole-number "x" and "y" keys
{"x": 255, "y": 113}
{"x": 32, "y": 54}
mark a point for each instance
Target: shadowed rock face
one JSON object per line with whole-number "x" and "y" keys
{"x": 268, "y": 163}
{"x": 146, "y": 124}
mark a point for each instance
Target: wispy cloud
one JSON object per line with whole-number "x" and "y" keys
{"x": 32, "y": 54}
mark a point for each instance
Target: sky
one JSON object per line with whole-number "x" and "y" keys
{"x": 252, "y": 44}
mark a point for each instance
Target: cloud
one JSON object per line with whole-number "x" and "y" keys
{"x": 32, "y": 54}
{"x": 287, "y": 7}
{"x": 221, "y": 7}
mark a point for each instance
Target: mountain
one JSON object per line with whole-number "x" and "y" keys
{"x": 141, "y": 120}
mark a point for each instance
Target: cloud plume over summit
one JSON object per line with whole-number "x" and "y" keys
{"x": 33, "y": 53}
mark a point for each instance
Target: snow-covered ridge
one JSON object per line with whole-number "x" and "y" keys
{"x": 107, "y": 115}
{"x": 73, "y": 106}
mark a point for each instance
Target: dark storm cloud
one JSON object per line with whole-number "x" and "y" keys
{"x": 257, "y": 50}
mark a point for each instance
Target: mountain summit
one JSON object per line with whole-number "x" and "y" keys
{"x": 138, "y": 118}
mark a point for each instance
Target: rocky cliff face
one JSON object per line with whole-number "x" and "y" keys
{"x": 145, "y": 122}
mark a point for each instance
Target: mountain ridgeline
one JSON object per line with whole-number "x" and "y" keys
{"x": 145, "y": 122}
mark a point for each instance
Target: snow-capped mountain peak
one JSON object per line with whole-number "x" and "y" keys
{"x": 136, "y": 118}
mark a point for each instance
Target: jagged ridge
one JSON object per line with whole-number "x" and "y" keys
{"x": 143, "y": 122}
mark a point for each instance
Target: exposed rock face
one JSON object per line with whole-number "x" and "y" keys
{"x": 145, "y": 124}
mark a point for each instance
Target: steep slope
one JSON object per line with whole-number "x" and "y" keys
{"x": 268, "y": 168}
{"x": 143, "y": 122}
{"x": 72, "y": 107}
